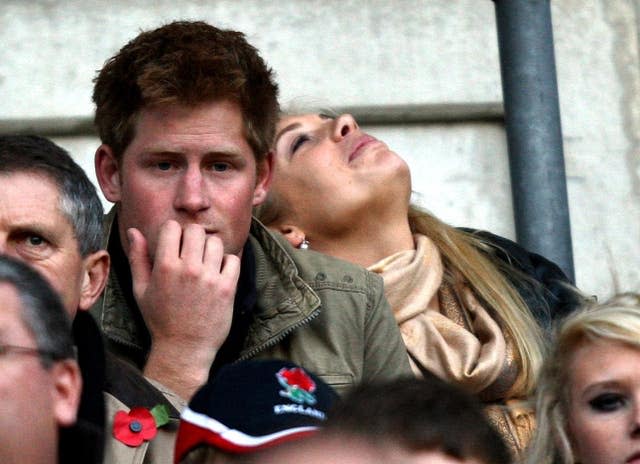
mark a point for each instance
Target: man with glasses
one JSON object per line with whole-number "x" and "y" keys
{"x": 40, "y": 382}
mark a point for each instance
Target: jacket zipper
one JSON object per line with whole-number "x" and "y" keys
{"x": 279, "y": 338}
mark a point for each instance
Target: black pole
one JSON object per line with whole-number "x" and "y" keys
{"x": 534, "y": 135}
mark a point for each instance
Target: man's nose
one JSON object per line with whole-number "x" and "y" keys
{"x": 343, "y": 126}
{"x": 191, "y": 195}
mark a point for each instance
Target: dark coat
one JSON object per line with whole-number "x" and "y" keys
{"x": 543, "y": 286}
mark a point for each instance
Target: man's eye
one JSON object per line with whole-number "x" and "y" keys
{"x": 164, "y": 166}
{"x": 607, "y": 402}
{"x": 220, "y": 167}
{"x": 34, "y": 247}
{"x": 35, "y": 240}
{"x": 298, "y": 142}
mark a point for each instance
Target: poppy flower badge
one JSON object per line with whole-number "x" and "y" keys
{"x": 298, "y": 385}
{"x": 139, "y": 424}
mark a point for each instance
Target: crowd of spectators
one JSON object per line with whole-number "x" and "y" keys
{"x": 263, "y": 291}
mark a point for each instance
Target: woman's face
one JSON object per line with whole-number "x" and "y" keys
{"x": 329, "y": 171}
{"x": 604, "y": 403}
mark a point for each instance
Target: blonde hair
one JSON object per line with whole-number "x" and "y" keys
{"x": 462, "y": 256}
{"x": 618, "y": 321}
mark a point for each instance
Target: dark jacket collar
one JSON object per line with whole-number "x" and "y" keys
{"x": 84, "y": 441}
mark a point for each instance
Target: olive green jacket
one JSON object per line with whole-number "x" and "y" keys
{"x": 325, "y": 314}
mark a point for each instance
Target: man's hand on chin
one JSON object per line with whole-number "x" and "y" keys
{"x": 186, "y": 299}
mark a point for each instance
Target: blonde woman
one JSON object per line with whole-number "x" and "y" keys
{"x": 463, "y": 301}
{"x": 588, "y": 399}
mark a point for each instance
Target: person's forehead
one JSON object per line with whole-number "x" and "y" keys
{"x": 32, "y": 189}
{"x": 306, "y": 118}
{"x": 30, "y": 204}
{"x": 216, "y": 126}
{"x": 40, "y": 181}
{"x": 205, "y": 117}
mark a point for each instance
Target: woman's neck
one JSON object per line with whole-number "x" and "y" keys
{"x": 367, "y": 242}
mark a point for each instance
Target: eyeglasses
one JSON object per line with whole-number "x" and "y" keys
{"x": 45, "y": 355}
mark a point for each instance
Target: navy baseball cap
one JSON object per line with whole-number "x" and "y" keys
{"x": 252, "y": 405}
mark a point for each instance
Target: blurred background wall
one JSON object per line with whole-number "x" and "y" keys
{"x": 424, "y": 76}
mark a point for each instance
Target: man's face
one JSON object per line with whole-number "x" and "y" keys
{"x": 33, "y": 229}
{"x": 189, "y": 164}
{"x": 28, "y": 409}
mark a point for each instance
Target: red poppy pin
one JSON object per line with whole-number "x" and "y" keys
{"x": 299, "y": 387}
{"x": 139, "y": 424}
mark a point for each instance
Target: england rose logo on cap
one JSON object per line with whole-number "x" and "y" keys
{"x": 299, "y": 387}
{"x": 252, "y": 405}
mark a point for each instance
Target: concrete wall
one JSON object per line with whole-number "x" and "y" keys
{"x": 430, "y": 58}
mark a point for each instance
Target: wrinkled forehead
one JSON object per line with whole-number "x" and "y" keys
{"x": 35, "y": 185}
{"x": 35, "y": 176}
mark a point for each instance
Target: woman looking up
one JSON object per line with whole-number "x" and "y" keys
{"x": 459, "y": 299}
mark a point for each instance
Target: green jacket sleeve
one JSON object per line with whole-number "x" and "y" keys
{"x": 385, "y": 354}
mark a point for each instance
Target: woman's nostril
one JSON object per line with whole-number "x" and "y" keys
{"x": 345, "y": 130}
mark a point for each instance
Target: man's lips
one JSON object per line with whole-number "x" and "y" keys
{"x": 360, "y": 144}
{"x": 634, "y": 458}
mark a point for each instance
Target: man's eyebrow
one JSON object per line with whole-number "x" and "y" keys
{"x": 39, "y": 228}
{"x": 290, "y": 127}
{"x": 158, "y": 152}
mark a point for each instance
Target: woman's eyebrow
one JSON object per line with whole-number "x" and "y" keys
{"x": 290, "y": 127}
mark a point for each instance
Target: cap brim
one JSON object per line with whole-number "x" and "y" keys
{"x": 198, "y": 429}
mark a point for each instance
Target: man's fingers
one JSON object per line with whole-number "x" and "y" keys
{"x": 231, "y": 268}
{"x": 139, "y": 261}
{"x": 193, "y": 244}
{"x": 168, "y": 246}
{"x": 213, "y": 254}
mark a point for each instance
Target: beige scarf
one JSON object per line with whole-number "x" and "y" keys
{"x": 444, "y": 326}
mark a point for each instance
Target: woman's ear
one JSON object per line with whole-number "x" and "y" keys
{"x": 294, "y": 235}
{"x": 108, "y": 172}
{"x": 96, "y": 271}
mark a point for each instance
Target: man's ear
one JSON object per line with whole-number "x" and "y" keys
{"x": 294, "y": 235}
{"x": 108, "y": 172}
{"x": 263, "y": 181}
{"x": 96, "y": 272}
{"x": 67, "y": 386}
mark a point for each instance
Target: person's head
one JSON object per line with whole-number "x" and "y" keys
{"x": 248, "y": 407}
{"x": 420, "y": 416}
{"x": 51, "y": 218}
{"x": 186, "y": 114}
{"x": 405, "y": 420}
{"x": 40, "y": 382}
{"x": 335, "y": 449}
{"x": 328, "y": 175}
{"x": 588, "y": 398}
{"x": 347, "y": 195}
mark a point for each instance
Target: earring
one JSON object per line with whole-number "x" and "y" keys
{"x": 304, "y": 245}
